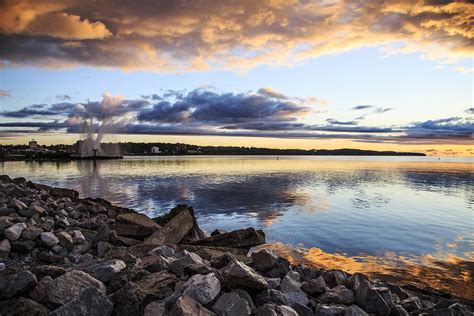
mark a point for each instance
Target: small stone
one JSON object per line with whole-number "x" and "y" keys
{"x": 411, "y": 304}
{"x": 275, "y": 310}
{"x": 330, "y": 310}
{"x": 202, "y": 288}
{"x": 271, "y": 296}
{"x": 78, "y": 237}
{"x": 65, "y": 240}
{"x": 231, "y": 304}
{"x": 49, "y": 239}
{"x": 14, "y": 232}
{"x": 264, "y": 260}
{"x": 38, "y": 210}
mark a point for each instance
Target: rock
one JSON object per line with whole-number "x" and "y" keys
{"x": 231, "y": 304}
{"x": 14, "y": 232}
{"x": 38, "y": 210}
{"x": 25, "y": 306}
{"x": 61, "y": 192}
{"x": 242, "y": 238}
{"x": 338, "y": 295}
{"x": 107, "y": 270}
{"x": 102, "y": 234}
{"x": 48, "y": 270}
{"x": 155, "y": 263}
{"x": 164, "y": 251}
{"x": 218, "y": 232}
{"x": 314, "y": 287}
{"x": 5, "y": 248}
{"x": 264, "y": 260}
{"x": 23, "y": 247}
{"x": 398, "y": 310}
{"x": 78, "y": 237}
{"x": 39, "y": 293}
{"x": 202, "y": 288}
{"x": 302, "y": 310}
{"x": 291, "y": 287}
{"x": 49, "y": 239}
{"x": 188, "y": 258}
{"x": 91, "y": 302}
{"x": 68, "y": 287}
{"x": 138, "y": 219}
{"x": 275, "y": 310}
{"x": 5, "y": 211}
{"x": 186, "y": 306}
{"x": 221, "y": 261}
{"x": 128, "y": 300}
{"x": 157, "y": 285}
{"x": 411, "y": 304}
{"x": 331, "y": 310}
{"x": 355, "y": 310}
{"x": 273, "y": 283}
{"x": 17, "y": 284}
{"x": 31, "y": 233}
{"x": 271, "y": 296}
{"x": 370, "y": 299}
{"x": 238, "y": 275}
{"x": 155, "y": 309}
{"x": 18, "y": 205}
{"x": 334, "y": 278}
{"x": 103, "y": 247}
{"x": 65, "y": 240}
{"x": 175, "y": 230}
{"x": 132, "y": 231}
{"x": 282, "y": 267}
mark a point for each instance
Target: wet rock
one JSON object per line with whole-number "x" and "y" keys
{"x": 17, "y": 284}
{"x": 107, "y": 270}
{"x": 155, "y": 309}
{"x": 128, "y": 300}
{"x": 271, "y": 296}
{"x": 14, "y": 232}
{"x": 231, "y": 304}
{"x": 49, "y": 239}
{"x": 157, "y": 285}
{"x": 238, "y": 275}
{"x": 31, "y": 233}
{"x": 164, "y": 251}
{"x": 314, "y": 287}
{"x": 411, "y": 304}
{"x": 5, "y": 248}
{"x": 202, "y": 288}
{"x": 68, "y": 287}
{"x": 186, "y": 306}
{"x": 355, "y": 310}
{"x": 291, "y": 287}
{"x": 338, "y": 295}
{"x": 242, "y": 238}
{"x": 138, "y": 219}
{"x": 330, "y": 310}
{"x": 91, "y": 302}
{"x": 187, "y": 259}
{"x": 264, "y": 260}
{"x": 25, "y": 306}
{"x": 275, "y": 310}
{"x": 65, "y": 240}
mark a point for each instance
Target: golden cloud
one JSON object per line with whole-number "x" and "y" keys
{"x": 171, "y": 35}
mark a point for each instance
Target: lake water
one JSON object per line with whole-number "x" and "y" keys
{"x": 401, "y": 217}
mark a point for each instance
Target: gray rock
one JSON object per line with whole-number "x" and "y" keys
{"x": 291, "y": 287}
{"x": 398, "y": 310}
{"x": 338, "y": 295}
{"x": 331, "y": 310}
{"x": 238, "y": 275}
{"x": 14, "y": 232}
{"x": 370, "y": 299}
{"x": 186, "y": 306}
{"x": 242, "y": 238}
{"x": 38, "y": 210}
{"x": 411, "y": 304}
{"x": 164, "y": 251}
{"x": 5, "y": 248}
{"x": 202, "y": 288}
{"x": 23, "y": 247}
{"x": 175, "y": 229}
{"x": 102, "y": 233}
{"x": 315, "y": 286}
{"x": 355, "y": 310}
{"x": 78, "y": 237}
{"x": 25, "y": 306}
{"x": 275, "y": 310}
{"x": 48, "y": 270}
{"x": 271, "y": 296}
{"x": 155, "y": 309}
{"x": 128, "y": 300}
{"x": 65, "y": 240}
{"x": 334, "y": 278}
{"x": 157, "y": 286}
{"x": 138, "y": 219}
{"x": 49, "y": 239}
{"x": 103, "y": 247}
{"x": 282, "y": 267}
{"x": 107, "y": 270}
{"x": 231, "y": 304}
{"x": 39, "y": 293}
{"x": 264, "y": 260}
{"x": 155, "y": 263}
{"x": 31, "y": 233}
{"x": 17, "y": 284}
{"x": 68, "y": 287}
{"x": 273, "y": 283}
{"x": 221, "y": 261}
{"x": 187, "y": 259}
{"x": 91, "y": 302}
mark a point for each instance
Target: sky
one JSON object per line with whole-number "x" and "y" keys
{"x": 383, "y": 75}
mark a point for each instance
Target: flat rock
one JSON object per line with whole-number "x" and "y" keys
{"x": 231, "y": 304}
{"x": 175, "y": 230}
{"x": 14, "y": 232}
{"x": 237, "y": 275}
{"x": 68, "y": 287}
{"x": 17, "y": 284}
{"x": 241, "y": 238}
{"x": 91, "y": 302}
{"x": 202, "y": 288}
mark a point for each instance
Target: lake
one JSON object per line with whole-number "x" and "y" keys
{"x": 397, "y": 217}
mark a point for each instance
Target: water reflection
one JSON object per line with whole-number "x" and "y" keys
{"x": 410, "y": 209}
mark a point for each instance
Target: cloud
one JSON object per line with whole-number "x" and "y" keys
{"x": 63, "y": 97}
{"x": 336, "y": 122}
{"x": 470, "y": 111}
{"x": 362, "y": 107}
{"x": 382, "y": 110}
{"x": 5, "y": 93}
{"x": 176, "y": 35}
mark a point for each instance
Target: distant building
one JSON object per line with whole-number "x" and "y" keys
{"x": 155, "y": 150}
{"x": 33, "y": 144}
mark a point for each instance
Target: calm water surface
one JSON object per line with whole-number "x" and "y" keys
{"x": 384, "y": 215}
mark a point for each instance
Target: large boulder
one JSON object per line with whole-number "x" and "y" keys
{"x": 237, "y": 275}
{"x": 175, "y": 229}
{"x": 17, "y": 284}
{"x": 241, "y": 238}
{"x": 68, "y": 287}
{"x": 202, "y": 288}
{"x": 91, "y": 302}
{"x": 231, "y": 304}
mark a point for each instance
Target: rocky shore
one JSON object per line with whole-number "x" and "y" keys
{"x": 62, "y": 255}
